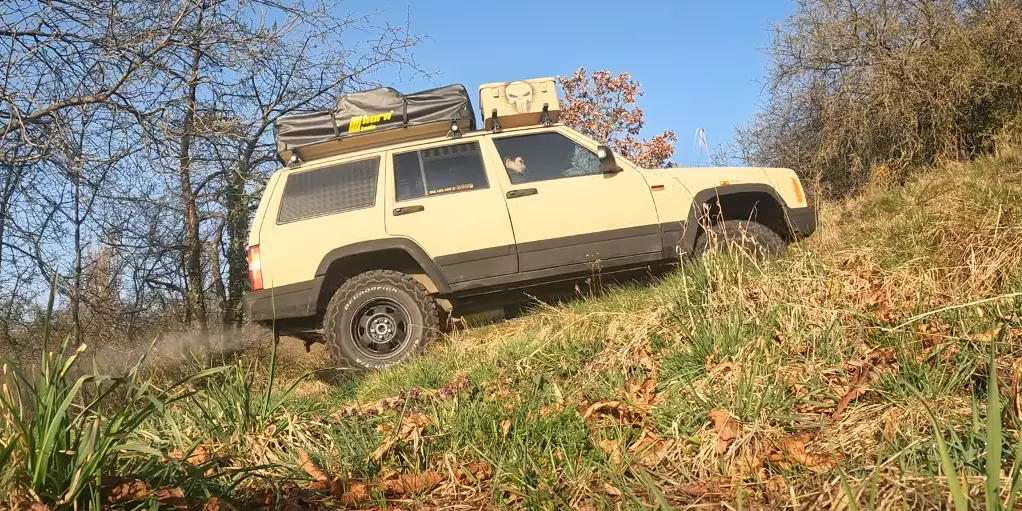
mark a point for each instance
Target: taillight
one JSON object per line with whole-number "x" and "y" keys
{"x": 255, "y": 269}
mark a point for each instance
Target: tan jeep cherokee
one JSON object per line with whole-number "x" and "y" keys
{"x": 394, "y": 210}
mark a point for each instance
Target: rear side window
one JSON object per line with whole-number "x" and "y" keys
{"x": 439, "y": 170}
{"x": 328, "y": 190}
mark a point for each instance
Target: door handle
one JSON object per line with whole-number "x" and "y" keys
{"x": 521, "y": 193}
{"x": 407, "y": 210}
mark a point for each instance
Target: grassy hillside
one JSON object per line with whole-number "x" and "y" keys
{"x": 806, "y": 382}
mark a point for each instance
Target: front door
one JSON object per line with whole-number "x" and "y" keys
{"x": 566, "y": 212}
{"x": 441, "y": 197}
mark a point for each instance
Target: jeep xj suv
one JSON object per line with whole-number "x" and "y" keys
{"x": 393, "y": 210}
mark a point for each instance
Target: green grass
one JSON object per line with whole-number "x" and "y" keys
{"x": 777, "y": 346}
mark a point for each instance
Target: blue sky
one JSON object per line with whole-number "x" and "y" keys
{"x": 701, "y": 64}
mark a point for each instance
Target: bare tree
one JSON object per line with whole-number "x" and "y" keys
{"x": 135, "y": 136}
{"x": 862, "y": 90}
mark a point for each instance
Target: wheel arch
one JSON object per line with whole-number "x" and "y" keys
{"x": 753, "y": 201}
{"x": 399, "y": 254}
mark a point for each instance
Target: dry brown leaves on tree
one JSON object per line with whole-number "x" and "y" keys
{"x": 602, "y": 106}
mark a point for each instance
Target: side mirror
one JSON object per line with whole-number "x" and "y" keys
{"x": 607, "y": 162}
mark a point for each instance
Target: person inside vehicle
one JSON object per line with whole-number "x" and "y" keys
{"x": 516, "y": 169}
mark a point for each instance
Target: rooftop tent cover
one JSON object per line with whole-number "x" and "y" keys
{"x": 375, "y": 110}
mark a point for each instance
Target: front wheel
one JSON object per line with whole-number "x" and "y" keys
{"x": 378, "y": 319}
{"x": 751, "y": 238}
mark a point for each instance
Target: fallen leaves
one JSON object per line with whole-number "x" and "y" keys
{"x": 985, "y": 337}
{"x": 623, "y": 413}
{"x": 474, "y": 472}
{"x": 644, "y": 395}
{"x": 793, "y": 451}
{"x": 846, "y": 399}
{"x": 414, "y": 396}
{"x": 613, "y": 450}
{"x": 198, "y": 457}
{"x": 356, "y": 494}
{"x": 931, "y": 334}
{"x": 412, "y": 484}
{"x": 556, "y": 406}
{"x": 713, "y": 485}
{"x": 777, "y": 489}
{"x": 411, "y": 431}
{"x": 405, "y": 485}
{"x": 123, "y": 491}
{"x": 321, "y": 480}
{"x": 636, "y": 401}
{"x": 726, "y": 427}
{"x": 174, "y": 497}
{"x": 127, "y": 491}
{"x": 650, "y": 449}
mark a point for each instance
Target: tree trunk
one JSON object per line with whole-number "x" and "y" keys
{"x": 76, "y": 300}
{"x": 12, "y": 177}
{"x": 3, "y": 224}
{"x": 237, "y": 233}
{"x": 215, "y": 272}
{"x": 193, "y": 255}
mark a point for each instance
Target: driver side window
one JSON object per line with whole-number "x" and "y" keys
{"x": 545, "y": 156}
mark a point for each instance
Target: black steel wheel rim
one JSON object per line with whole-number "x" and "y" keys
{"x": 380, "y": 327}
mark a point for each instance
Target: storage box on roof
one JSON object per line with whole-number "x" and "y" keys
{"x": 372, "y": 118}
{"x": 519, "y": 103}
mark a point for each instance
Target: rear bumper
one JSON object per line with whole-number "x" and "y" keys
{"x": 296, "y": 300}
{"x": 802, "y": 221}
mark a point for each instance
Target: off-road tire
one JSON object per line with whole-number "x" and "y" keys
{"x": 403, "y": 292}
{"x": 754, "y": 238}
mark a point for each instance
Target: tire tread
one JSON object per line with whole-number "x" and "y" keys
{"x": 401, "y": 281}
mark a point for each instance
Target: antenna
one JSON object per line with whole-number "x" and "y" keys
{"x": 701, "y": 142}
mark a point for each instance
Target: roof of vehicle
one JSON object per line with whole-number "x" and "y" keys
{"x": 399, "y": 144}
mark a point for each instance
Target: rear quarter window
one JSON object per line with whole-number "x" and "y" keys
{"x": 324, "y": 191}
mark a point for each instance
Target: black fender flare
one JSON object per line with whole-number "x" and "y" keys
{"x": 367, "y": 247}
{"x": 688, "y": 239}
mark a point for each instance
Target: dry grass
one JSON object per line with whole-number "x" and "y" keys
{"x": 899, "y": 288}
{"x": 772, "y": 386}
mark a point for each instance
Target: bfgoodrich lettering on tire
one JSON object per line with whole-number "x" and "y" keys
{"x": 377, "y": 319}
{"x": 753, "y": 238}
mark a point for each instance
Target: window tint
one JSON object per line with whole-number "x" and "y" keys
{"x": 545, "y": 156}
{"x": 439, "y": 170}
{"x": 329, "y": 190}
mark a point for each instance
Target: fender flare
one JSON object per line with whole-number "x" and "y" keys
{"x": 367, "y": 247}
{"x": 688, "y": 239}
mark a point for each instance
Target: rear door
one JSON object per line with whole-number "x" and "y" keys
{"x": 566, "y": 212}
{"x": 441, "y": 197}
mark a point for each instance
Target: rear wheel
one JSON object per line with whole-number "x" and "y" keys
{"x": 378, "y": 319}
{"x": 752, "y": 238}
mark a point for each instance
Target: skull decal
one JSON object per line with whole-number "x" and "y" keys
{"x": 519, "y": 94}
